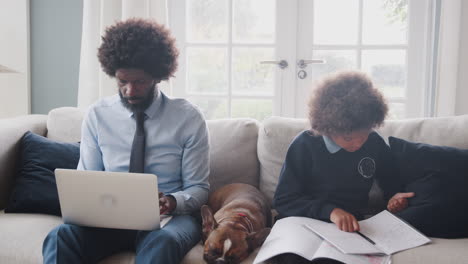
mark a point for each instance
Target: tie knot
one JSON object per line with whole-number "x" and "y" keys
{"x": 139, "y": 116}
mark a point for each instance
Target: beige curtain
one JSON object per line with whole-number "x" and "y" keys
{"x": 448, "y": 91}
{"x": 97, "y": 15}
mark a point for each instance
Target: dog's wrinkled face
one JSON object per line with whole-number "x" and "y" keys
{"x": 225, "y": 245}
{"x": 228, "y": 242}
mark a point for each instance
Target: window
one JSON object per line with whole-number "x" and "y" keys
{"x": 230, "y": 50}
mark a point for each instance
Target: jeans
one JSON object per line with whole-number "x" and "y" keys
{"x": 77, "y": 244}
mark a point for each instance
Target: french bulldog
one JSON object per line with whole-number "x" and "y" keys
{"x": 240, "y": 223}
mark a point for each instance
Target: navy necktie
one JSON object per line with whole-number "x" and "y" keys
{"x": 137, "y": 156}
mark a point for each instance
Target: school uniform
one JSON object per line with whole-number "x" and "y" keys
{"x": 319, "y": 176}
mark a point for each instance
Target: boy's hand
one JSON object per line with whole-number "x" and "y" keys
{"x": 344, "y": 220}
{"x": 399, "y": 202}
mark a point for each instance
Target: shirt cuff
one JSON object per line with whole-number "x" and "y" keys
{"x": 180, "y": 199}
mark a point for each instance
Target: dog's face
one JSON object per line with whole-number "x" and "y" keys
{"x": 228, "y": 242}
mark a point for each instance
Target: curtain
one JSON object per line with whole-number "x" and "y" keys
{"x": 447, "y": 88}
{"x": 97, "y": 15}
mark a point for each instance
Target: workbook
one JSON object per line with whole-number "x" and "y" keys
{"x": 378, "y": 238}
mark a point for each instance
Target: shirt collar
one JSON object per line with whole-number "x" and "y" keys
{"x": 155, "y": 105}
{"x": 332, "y": 147}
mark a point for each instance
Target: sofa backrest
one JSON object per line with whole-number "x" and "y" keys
{"x": 243, "y": 150}
{"x": 12, "y": 130}
{"x": 444, "y": 131}
{"x": 276, "y": 133}
{"x": 233, "y": 144}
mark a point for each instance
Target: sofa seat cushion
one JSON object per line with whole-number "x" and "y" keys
{"x": 195, "y": 256}
{"x": 22, "y": 236}
{"x": 438, "y": 251}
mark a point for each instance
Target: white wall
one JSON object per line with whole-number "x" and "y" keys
{"x": 14, "y": 53}
{"x": 462, "y": 86}
{"x": 55, "y": 53}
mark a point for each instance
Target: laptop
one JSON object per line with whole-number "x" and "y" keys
{"x": 105, "y": 199}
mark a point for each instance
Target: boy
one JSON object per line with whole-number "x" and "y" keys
{"x": 329, "y": 170}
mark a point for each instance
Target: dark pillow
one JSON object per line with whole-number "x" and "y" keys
{"x": 35, "y": 190}
{"x": 438, "y": 176}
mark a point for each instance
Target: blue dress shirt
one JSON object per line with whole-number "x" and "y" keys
{"x": 177, "y": 146}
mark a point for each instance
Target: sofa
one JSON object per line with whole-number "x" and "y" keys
{"x": 242, "y": 150}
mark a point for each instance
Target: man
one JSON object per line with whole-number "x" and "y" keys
{"x": 139, "y": 54}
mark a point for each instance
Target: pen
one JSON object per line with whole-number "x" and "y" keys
{"x": 366, "y": 238}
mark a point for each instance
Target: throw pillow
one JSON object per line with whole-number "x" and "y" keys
{"x": 438, "y": 176}
{"x": 35, "y": 190}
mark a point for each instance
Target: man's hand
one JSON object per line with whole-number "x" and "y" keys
{"x": 344, "y": 220}
{"x": 399, "y": 202}
{"x": 167, "y": 203}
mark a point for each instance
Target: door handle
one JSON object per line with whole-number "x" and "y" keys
{"x": 303, "y": 63}
{"x": 282, "y": 63}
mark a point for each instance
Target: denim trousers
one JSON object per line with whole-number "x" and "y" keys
{"x": 69, "y": 243}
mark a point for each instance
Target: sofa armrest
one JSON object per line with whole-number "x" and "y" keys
{"x": 11, "y": 131}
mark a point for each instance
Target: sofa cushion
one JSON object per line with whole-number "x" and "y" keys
{"x": 22, "y": 236}
{"x": 195, "y": 256}
{"x": 35, "y": 189}
{"x": 275, "y": 135}
{"x": 11, "y": 131}
{"x": 233, "y": 151}
{"x": 438, "y": 251}
{"x": 233, "y": 144}
{"x": 439, "y": 178}
{"x": 64, "y": 124}
{"x": 442, "y": 131}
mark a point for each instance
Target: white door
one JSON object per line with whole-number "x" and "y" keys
{"x": 241, "y": 58}
{"x": 388, "y": 39}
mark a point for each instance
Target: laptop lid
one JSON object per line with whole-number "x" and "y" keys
{"x": 108, "y": 199}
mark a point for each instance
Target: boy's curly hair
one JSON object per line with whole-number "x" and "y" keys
{"x": 346, "y": 102}
{"x": 141, "y": 44}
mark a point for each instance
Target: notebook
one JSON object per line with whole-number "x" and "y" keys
{"x": 104, "y": 199}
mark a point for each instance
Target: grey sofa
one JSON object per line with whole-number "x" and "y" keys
{"x": 242, "y": 150}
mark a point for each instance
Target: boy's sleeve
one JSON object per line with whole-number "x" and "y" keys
{"x": 292, "y": 196}
{"x": 387, "y": 175}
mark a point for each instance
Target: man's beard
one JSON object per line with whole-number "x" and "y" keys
{"x": 145, "y": 103}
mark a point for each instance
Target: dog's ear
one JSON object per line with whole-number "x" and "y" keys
{"x": 256, "y": 239}
{"x": 209, "y": 223}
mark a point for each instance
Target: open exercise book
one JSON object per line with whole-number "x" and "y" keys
{"x": 379, "y": 237}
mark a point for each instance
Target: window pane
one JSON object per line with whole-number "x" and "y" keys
{"x": 336, "y": 21}
{"x": 207, "y": 20}
{"x": 254, "y": 108}
{"x": 396, "y": 111}
{"x": 207, "y": 70}
{"x": 249, "y": 77}
{"x": 384, "y": 22}
{"x": 387, "y": 69}
{"x": 210, "y": 107}
{"x": 335, "y": 60}
{"x": 254, "y": 21}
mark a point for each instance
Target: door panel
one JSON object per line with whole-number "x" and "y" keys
{"x": 240, "y": 58}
